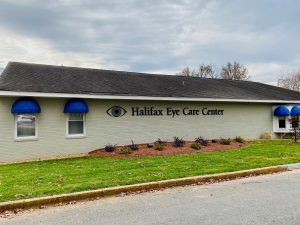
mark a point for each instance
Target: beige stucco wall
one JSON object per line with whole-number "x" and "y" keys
{"x": 249, "y": 120}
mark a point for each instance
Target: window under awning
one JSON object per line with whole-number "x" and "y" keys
{"x": 281, "y": 111}
{"x": 25, "y": 106}
{"x": 76, "y": 106}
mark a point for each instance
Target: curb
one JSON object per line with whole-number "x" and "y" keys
{"x": 113, "y": 191}
{"x": 292, "y": 166}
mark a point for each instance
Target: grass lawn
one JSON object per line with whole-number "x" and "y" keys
{"x": 28, "y": 180}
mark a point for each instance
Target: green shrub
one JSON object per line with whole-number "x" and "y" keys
{"x": 201, "y": 141}
{"x": 225, "y": 141}
{"x": 196, "y": 146}
{"x": 125, "y": 150}
{"x": 239, "y": 139}
{"x": 159, "y": 147}
{"x": 159, "y": 141}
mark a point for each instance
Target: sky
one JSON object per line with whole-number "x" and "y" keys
{"x": 153, "y": 36}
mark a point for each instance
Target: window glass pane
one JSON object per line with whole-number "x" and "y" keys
{"x": 75, "y": 127}
{"x": 282, "y": 123}
{"x": 26, "y": 125}
{"x": 76, "y": 116}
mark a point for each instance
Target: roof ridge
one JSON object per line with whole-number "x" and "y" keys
{"x": 133, "y": 72}
{"x": 42, "y": 78}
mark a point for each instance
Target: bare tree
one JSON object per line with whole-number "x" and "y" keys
{"x": 231, "y": 71}
{"x": 203, "y": 71}
{"x": 185, "y": 72}
{"x": 234, "y": 71}
{"x": 207, "y": 71}
{"x": 295, "y": 127}
{"x": 290, "y": 81}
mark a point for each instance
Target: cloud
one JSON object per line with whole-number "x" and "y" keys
{"x": 19, "y": 48}
{"x": 152, "y": 36}
{"x": 269, "y": 72}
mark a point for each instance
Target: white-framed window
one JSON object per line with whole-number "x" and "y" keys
{"x": 282, "y": 122}
{"x": 76, "y": 125}
{"x": 25, "y": 126}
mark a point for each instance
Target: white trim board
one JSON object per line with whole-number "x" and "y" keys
{"x": 122, "y": 97}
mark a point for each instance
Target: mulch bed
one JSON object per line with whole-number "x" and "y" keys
{"x": 169, "y": 149}
{"x": 294, "y": 143}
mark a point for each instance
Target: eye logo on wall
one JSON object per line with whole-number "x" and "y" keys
{"x": 116, "y": 111}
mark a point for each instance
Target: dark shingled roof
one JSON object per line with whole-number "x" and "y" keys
{"x": 26, "y": 77}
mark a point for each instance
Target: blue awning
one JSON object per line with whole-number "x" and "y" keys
{"x": 295, "y": 111}
{"x": 25, "y": 105}
{"x": 76, "y": 106}
{"x": 282, "y": 111}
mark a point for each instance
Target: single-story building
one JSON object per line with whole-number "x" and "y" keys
{"x": 56, "y": 110}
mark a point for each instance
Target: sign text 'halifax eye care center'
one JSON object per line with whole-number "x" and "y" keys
{"x": 152, "y": 111}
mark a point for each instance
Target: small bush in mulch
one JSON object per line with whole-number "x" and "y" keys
{"x": 239, "y": 139}
{"x": 225, "y": 141}
{"x": 110, "y": 148}
{"x": 150, "y": 145}
{"x": 214, "y": 141}
{"x": 196, "y": 146}
{"x": 125, "y": 150}
{"x": 159, "y": 147}
{"x": 201, "y": 141}
{"x": 133, "y": 146}
{"x": 159, "y": 141}
{"x": 179, "y": 142}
